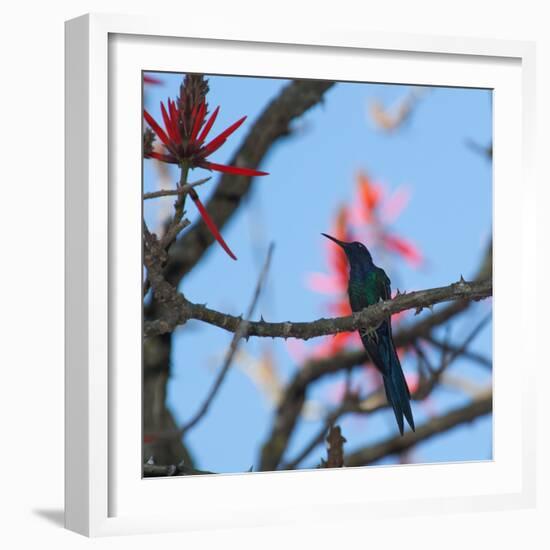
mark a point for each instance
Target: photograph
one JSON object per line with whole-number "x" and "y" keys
{"x": 317, "y": 270}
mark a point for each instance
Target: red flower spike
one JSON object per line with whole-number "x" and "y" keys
{"x": 208, "y": 126}
{"x": 237, "y": 170}
{"x": 168, "y": 123}
{"x": 164, "y": 158}
{"x": 173, "y": 112}
{"x": 174, "y": 117}
{"x": 198, "y": 121}
{"x": 185, "y": 130}
{"x": 158, "y": 130}
{"x": 210, "y": 223}
{"x": 218, "y": 141}
{"x": 193, "y": 117}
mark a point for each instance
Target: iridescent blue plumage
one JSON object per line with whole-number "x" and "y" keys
{"x": 368, "y": 284}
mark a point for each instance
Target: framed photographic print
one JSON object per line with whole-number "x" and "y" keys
{"x": 289, "y": 275}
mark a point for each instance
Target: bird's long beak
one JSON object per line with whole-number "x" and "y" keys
{"x": 341, "y": 243}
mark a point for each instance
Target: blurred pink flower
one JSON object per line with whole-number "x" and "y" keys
{"x": 373, "y": 212}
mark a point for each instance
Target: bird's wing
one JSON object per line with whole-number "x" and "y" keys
{"x": 378, "y": 342}
{"x": 384, "y": 284}
{"x": 381, "y": 348}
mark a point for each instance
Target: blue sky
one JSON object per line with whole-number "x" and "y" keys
{"x": 311, "y": 174}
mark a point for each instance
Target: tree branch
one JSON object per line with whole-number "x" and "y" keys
{"x": 368, "y": 318}
{"x": 468, "y": 354}
{"x": 172, "y": 192}
{"x": 480, "y": 406}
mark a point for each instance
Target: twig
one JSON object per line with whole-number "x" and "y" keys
{"x": 447, "y": 358}
{"x": 171, "y": 192}
{"x": 444, "y": 346}
{"x": 485, "y": 150}
{"x": 172, "y": 232}
{"x": 239, "y": 333}
{"x": 449, "y": 355}
{"x": 157, "y": 249}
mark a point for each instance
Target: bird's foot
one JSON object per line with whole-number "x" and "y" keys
{"x": 370, "y": 334}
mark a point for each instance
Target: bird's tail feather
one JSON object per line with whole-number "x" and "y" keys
{"x": 399, "y": 396}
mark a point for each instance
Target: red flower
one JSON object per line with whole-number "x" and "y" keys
{"x": 183, "y": 137}
{"x": 186, "y": 128}
{"x": 210, "y": 223}
{"x": 151, "y": 80}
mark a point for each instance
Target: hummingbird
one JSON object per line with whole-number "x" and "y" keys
{"x": 367, "y": 285}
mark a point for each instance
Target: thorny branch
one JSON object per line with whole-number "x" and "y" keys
{"x": 368, "y": 318}
{"x": 156, "y": 251}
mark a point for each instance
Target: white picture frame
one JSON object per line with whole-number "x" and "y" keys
{"x": 104, "y": 490}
